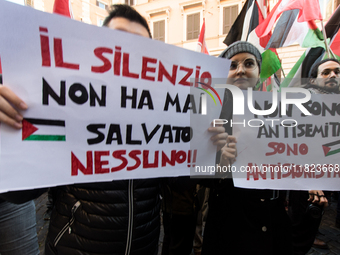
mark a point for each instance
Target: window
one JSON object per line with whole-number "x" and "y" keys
{"x": 158, "y": 19}
{"x": 193, "y": 26}
{"x": 101, "y": 5}
{"x": 29, "y": 2}
{"x": 130, "y": 2}
{"x": 192, "y": 12}
{"x": 229, "y": 16}
{"x": 159, "y": 30}
{"x": 100, "y": 22}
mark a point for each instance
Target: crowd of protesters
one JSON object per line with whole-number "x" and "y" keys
{"x": 123, "y": 217}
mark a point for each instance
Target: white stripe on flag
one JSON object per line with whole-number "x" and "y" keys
{"x": 49, "y": 130}
{"x": 246, "y": 22}
{"x": 297, "y": 33}
{"x": 254, "y": 39}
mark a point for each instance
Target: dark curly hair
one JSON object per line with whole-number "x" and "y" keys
{"x": 127, "y": 12}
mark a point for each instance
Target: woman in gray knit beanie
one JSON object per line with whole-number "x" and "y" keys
{"x": 244, "y": 221}
{"x": 246, "y": 63}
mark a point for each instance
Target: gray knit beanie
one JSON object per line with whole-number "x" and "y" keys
{"x": 242, "y": 47}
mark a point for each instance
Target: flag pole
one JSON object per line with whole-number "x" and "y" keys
{"x": 333, "y": 55}
{"x": 325, "y": 39}
{"x": 284, "y": 75}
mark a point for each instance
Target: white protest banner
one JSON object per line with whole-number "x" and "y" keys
{"x": 103, "y": 104}
{"x": 291, "y": 151}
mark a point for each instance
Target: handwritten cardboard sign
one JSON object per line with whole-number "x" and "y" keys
{"x": 292, "y": 151}
{"x": 103, "y": 104}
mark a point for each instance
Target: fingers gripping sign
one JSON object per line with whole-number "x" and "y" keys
{"x": 10, "y": 105}
{"x": 318, "y": 197}
{"x": 219, "y": 136}
{"x": 229, "y": 152}
{"x": 224, "y": 142}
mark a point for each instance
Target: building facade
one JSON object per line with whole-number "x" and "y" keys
{"x": 179, "y": 22}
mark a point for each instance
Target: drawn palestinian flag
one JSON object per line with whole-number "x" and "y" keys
{"x": 331, "y": 148}
{"x": 43, "y": 130}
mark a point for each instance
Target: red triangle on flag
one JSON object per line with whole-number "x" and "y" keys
{"x": 326, "y": 149}
{"x": 27, "y": 129}
{"x": 335, "y": 45}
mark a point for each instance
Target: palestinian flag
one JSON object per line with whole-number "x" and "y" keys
{"x": 248, "y": 19}
{"x": 331, "y": 148}
{"x": 308, "y": 10}
{"x": 304, "y": 65}
{"x": 43, "y": 130}
{"x": 300, "y": 72}
{"x": 244, "y": 29}
{"x": 288, "y": 31}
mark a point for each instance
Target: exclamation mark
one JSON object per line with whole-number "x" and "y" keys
{"x": 189, "y": 158}
{"x": 193, "y": 161}
{"x": 194, "y": 158}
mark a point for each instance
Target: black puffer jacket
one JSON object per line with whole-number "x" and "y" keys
{"x": 119, "y": 217}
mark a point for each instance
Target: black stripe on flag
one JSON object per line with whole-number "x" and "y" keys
{"x": 60, "y": 123}
{"x": 332, "y": 143}
{"x": 282, "y": 29}
{"x": 235, "y": 32}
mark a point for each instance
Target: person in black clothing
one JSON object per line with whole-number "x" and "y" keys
{"x": 117, "y": 217}
{"x": 114, "y": 217}
{"x": 244, "y": 221}
{"x": 324, "y": 79}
